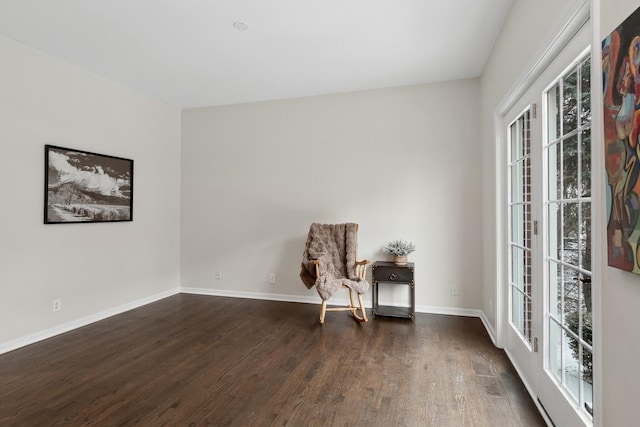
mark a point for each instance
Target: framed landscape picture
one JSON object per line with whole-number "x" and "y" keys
{"x": 80, "y": 186}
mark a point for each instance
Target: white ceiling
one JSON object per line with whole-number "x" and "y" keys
{"x": 187, "y": 53}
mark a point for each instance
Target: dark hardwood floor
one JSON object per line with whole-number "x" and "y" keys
{"x": 196, "y": 360}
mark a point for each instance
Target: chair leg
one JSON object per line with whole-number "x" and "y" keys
{"x": 353, "y": 304}
{"x": 353, "y": 308}
{"x": 364, "y": 312}
{"x": 323, "y": 311}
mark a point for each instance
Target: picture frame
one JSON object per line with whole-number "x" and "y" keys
{"x": 621, "y": 130}
{"x": 85, "y": 187}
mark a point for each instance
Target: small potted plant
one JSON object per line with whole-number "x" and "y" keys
{"x": 399, "y": 249}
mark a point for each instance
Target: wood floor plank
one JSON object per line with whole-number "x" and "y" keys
{"x": 198, "y": 360}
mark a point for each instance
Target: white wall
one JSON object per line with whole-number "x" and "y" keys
{"x": 92, "y": 268}
{"x": 620, "y": 293}
{"x": 523, "y": 38}
{"x": 402, "y": 162}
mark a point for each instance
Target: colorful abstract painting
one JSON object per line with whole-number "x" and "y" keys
{"x": 621, "y": 87}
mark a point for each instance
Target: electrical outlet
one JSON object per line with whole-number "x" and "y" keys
{"x": 57, "y": 305}
{"x": 272, "y": 278}
{"x": 454, "y": 290}
{"x": 218, "y": 275}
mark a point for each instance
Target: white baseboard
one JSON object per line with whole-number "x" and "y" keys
{"x": 448, "y": 311}
{"x": 315, "y": 299}
{"x": 74, "y": 324}
{"x": 489, "y": 328}
{"x": 311, "y": 299}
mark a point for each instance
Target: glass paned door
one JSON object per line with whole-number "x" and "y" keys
{"x": 568, "y": 234}
{"x": 520, "y": 204}
{"x": 545, "y": 326}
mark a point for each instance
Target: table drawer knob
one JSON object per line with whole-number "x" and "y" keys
{"x": 392, "y": 277}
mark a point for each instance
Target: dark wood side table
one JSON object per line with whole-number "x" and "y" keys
{"x": 386, "y": 273}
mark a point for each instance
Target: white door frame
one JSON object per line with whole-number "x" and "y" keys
{"x": 576, "y": 15}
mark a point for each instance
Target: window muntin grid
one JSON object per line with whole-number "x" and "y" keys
{"x": 568, "y": 250}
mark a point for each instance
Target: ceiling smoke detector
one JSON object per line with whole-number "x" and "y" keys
{"x": 241, "y": 26}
